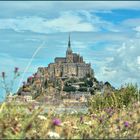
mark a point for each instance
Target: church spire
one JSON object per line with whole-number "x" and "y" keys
{"x": 69, "y": 50}
{"x": 69, "y": 43}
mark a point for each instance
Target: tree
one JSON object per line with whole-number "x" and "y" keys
{"x": 92, "y": 91}
{"x": 46, "y": 83}
{"x": 82, "y": 89}
{"x": 69, "y": 89}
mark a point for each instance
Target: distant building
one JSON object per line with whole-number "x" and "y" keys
{"x": 71, "y": 65}
{"x": 21, "y": 99}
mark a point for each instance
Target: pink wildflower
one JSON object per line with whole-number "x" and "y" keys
{"x": 126, "y": 124}
{"x": 56, "y": 122}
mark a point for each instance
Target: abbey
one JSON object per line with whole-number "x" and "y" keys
{"x": 71, "y": 65}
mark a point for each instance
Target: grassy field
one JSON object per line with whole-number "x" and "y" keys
{"x": 113, "y": 115}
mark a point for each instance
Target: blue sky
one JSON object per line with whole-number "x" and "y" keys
{"x": 107, "y": 34}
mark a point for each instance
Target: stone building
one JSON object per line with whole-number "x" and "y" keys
{"x": 71, "y": 65}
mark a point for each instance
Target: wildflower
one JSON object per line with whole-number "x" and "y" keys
{"x": 109, "y": 110}
{"x": 126, "y": 124}
{"x": 16, "y": 69}
{"x": 41, "y": 117}
{"x": 72, "y": 112}
{"x": 53, "y": 135}
{"x": 88, "y": 123}
{"x": 56, "y": 122}
{"x": 3, "y": 74}
{"x": 81, "y": 119}
{"x": 75, "y": 127}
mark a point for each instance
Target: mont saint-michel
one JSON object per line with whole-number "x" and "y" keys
{"x": 68, "y": 77}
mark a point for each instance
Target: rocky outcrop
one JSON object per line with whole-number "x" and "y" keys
{"x": 39, "y": 86}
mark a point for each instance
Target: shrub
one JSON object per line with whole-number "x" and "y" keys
{"x": 73, "y": 80}
{"x": 92, "y": 91}
{"x": 82, "y": 89}
{"x": 122, "y": 97}
{"x": 69, "y": 89}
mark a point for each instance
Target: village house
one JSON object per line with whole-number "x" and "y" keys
{"x": 21, "y": 99}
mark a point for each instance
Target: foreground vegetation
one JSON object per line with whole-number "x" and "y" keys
{"x": 112, "y": 115}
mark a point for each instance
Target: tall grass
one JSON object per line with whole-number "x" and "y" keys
{"x": 123, "y": 97}
{"x": 114, "y": 115}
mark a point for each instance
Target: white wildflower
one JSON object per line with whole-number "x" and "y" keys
{"x": 88, "y": 123}
{"x": 53, "y": 135}
{"x": 66, "y": 123}
{"x": 41, "y": 117}
{"x": 74, "y": 112}
{"x": 75, "y": 127}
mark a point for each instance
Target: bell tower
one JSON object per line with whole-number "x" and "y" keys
{"x": 69, "y": 55}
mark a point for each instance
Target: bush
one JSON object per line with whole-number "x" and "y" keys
{"x": 127, "y": 94}
{"x": 122, "y": 97}
{"x": 69, "y": 89}
{"x": 82, "y": 89}
{"x": 89, "y": 83}
{"x": 73, "y": 80}
{"x": 92, "y": 91}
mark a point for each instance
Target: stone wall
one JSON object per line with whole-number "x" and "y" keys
{"x": 65, "y": 70}
{"x": 83, "y": 69}
{"x": 69, "y": 69}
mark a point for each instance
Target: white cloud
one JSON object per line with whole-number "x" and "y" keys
{"x": 138, "y": 60}
{"x": 125, "y": 64}
{"x": 74, "y": 5}
{"x": 117, "y": 64}
{"x": 137, "y": 28}
{"x": 68, "y": 21}
{"x": 131, "y": 24}
{"x": 65, "y": 22}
